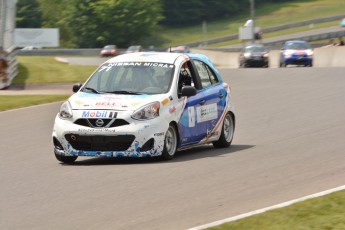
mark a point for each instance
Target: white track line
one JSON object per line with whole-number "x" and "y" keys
{"x": 281, "y": 205}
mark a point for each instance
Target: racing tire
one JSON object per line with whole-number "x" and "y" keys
{"x": 227, "y": 133}
{"x": 170, "y": 143}
{"x": 66, "y": 159}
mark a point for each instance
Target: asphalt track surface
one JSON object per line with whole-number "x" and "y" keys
{"x": 288, "y": 143}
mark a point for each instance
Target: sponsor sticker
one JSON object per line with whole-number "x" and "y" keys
{"x": 165, "y": 101}
{"x": 207, "y": 113}
{"x": 97, "y": 130}
{"x": 108, "y": 66}
{"x": 98, "y": 114}
{"x": 172, "y": 109}
{"x": 159, "y": 134}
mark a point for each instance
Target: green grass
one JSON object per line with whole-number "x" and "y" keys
{"x": 20, "y": 101}
{"x": 322, "y": 213}
{"x": 45, "y": 69}
{"x": 266, "y": 15}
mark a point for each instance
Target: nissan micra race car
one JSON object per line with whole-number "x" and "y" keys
{"x": 145, "y": 104}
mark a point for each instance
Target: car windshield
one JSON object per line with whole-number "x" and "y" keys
{"x": 131, "y": 78}
{"x": 255, "y": 49}
{"x": 133, "y": 48}
{"x": 110, "y": 47}
{"x": 298, "y": 46}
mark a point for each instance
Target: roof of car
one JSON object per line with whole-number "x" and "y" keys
{"x": 256, "y": 45}
{"x": 161, "y": 57}
{"x": 296, "y": 41}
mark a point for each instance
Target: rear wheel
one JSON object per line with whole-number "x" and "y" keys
{"x": 170, "y": 143}
{"x": 66, "y": 159}
{"x": 227, "y": 134}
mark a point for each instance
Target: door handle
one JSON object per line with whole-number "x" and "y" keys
{"x": 221, "y": 95}
{"x": 202, "y": 102}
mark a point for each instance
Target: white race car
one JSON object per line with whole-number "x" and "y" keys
{"x": 145, "y": 104}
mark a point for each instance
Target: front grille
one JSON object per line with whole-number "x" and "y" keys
{"x": 100, "y": 142}
{"x": 109, "y": 123}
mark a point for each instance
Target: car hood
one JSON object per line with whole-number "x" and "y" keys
{"x": 89, "y": 101}
{"x": 257, "y": 53}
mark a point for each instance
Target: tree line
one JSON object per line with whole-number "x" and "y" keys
{"x": 94, "y": 23}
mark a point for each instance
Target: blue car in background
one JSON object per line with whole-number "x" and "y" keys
{"x": 296, "y": 53}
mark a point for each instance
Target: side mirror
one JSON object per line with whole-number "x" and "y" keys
{"x": 76, "y": 87}
{"x": 188, "y": 91}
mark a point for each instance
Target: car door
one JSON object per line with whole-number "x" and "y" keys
{"x": 202, "y": 111}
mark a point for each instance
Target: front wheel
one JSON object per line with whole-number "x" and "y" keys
{"x": 227, "y": 134}
{"x": 66, "y": 159}
{"x": 170, "y": 143}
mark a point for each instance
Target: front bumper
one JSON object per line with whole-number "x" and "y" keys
{"x": 256, "y": 62}
{"x": 134, "y": 139}
{"x": 298, "y": 61}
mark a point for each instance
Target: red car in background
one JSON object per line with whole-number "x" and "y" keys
{"x": 109, "y": 51}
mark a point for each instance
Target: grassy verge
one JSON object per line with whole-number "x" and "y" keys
{"x": 322, "y": 213}
{"x": 20, "y": 101}
{"x": 45, "y": 69}
{"x": 266, "y": 15}
{"x": 284, "y": 32}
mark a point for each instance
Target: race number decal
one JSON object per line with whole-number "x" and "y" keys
{"x": 191, "y": 117}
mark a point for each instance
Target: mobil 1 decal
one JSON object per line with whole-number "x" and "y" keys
{"x": 99, "y": 114}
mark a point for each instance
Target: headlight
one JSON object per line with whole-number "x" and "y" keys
{"x": 265, "y": 55}
{"x": 147, "y": 112}
{"x": 310, "y": 53}
{"x": 287, "y": 54}
{"x": 66, "y": 110}
{"x": 246, "y": 55}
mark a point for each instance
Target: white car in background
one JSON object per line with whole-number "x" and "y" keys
{"x": 143, "y": 105}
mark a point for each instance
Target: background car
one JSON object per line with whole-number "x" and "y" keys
{"x": 109, "y": 51}
{"x": 254, "y": 55}
{"x": 147, "y": 104}
{"x": 179, "y": 49}
{"x": 296, "y": 53}
{"x": 134, "y": 49}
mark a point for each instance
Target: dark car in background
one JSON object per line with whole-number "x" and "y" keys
{"x": 254, "y": 55}
{"x": 109, "y": 51}
{"x": 296, "y": 52}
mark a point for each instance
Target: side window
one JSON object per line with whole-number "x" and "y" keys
{"x": 207, "y": 76}
{"x": 185, "y": 78}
